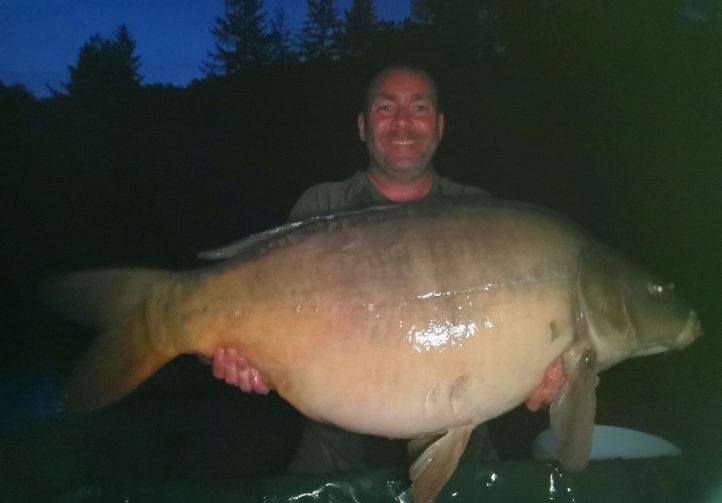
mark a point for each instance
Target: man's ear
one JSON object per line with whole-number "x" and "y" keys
{"x": 361, "y": 124}
{"x": 441, "y": 125}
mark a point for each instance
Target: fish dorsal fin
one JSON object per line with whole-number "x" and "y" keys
{"x": 247, "y": 244}
{"x": 256, "y": 244}
{"x": 433, "y": 468}
{"x": 573, "y": 409}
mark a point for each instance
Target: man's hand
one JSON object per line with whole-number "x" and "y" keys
{"x": 545, "y": 393}
{"x": 233, "y": 368}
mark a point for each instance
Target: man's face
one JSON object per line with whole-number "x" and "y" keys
{"x": 403, "y": 126}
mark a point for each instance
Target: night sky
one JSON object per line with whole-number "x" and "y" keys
{"x": 40, "y": 38}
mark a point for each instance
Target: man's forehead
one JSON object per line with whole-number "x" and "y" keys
{"x": 403, "y": 84}
{"x": 394, "y": 95}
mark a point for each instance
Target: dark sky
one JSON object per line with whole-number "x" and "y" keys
{"x": 40, "y": 38}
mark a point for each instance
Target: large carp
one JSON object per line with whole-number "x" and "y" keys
{"x": 417, "y": 321}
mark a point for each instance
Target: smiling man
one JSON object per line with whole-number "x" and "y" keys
{"x": 402, "y": 126}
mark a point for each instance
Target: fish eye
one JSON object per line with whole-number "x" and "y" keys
{"x": 656, "y": 289}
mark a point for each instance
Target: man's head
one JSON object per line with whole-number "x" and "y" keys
{"x": 401, "y": 123}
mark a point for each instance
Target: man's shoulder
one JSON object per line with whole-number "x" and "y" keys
{"x": 448, "y": 187}
{"x": 356, "y": 192}
{"x": 323, "y": 198}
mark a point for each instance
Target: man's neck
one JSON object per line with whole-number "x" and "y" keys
{"x": 401, "y": 191}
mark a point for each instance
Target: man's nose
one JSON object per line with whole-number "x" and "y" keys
{"x": 401, "y": 117}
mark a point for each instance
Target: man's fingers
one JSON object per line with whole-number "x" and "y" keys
{"x": 547, "y": 390}
{"x": 235, "y": 370}
{"x": 218, "y": 363}
{"x": 257, "y": 383}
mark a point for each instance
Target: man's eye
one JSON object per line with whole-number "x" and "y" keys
{"x": 384, "y": 108}
{"x": 422, "y": 108}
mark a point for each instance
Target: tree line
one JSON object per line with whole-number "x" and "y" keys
{"x": 556, "y": 36}
{"x": 247, "y": 39}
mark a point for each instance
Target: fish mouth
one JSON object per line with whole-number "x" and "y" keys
{"x": 691, "y": 331}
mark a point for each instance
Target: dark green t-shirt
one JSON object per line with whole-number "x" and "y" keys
{"x": 358, "y": 192}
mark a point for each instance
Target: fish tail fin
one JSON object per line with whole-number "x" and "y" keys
{"x": 103, "y": 297}
{"x": 133, "y": 342}
{"x": 116, "y": 363}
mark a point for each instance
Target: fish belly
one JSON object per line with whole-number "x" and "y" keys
{"x": 418, "y": 377}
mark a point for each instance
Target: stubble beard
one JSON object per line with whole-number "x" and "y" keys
{"x": 379, "y": 163}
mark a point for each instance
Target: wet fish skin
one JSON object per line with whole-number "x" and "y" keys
{"x": 411, "y": 321}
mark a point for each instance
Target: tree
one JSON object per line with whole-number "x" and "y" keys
{"x": 359, "y": 28}
{"x": 318, "y": 34}
{"x": 467, "y": 28}
{"x": 422, "y": 11}
{"x": 241, "y": 41}
{"x": 105, "y": 66}
{"x": 280, "y": 38}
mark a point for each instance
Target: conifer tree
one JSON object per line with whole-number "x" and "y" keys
{"x": 359, "y": 28}
{"x": 318, "y": 35}
{"x": 281, "y": 38}
{"x": 105, "y": 66}
{"x": 241, "y": 42}
{"x": 468, "y": 28}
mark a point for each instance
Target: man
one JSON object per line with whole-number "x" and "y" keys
{"x": 401, "y": 125}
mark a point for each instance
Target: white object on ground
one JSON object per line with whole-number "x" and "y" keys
{"x": 611, "y": 442}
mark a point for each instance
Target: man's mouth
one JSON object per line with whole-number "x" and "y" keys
{"x": 403, "y": 142}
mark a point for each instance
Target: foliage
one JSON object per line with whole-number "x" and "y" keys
{"x": 281, "y": 39}
{"x": 247, "y": 40}
{"x": 359, "y": 29}
{"x": 318, "y": 35}
{"x": 105, "y": 66}
{"x": 464, "y": 28}
{"x": 241, "y": 41}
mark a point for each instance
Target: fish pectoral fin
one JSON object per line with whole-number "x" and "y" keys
{"x": 573, "y": 409}
{"x": 417, "y": 446}
{"x": 435, "y": 465}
